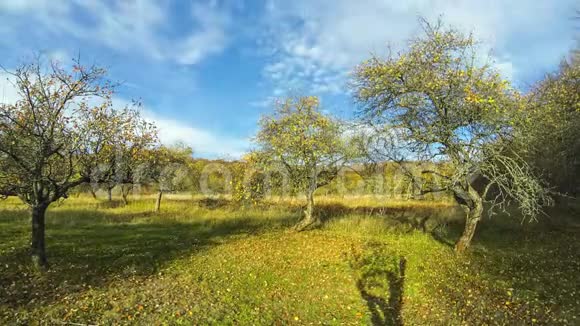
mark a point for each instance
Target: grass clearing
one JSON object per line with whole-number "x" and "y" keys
{"x": 204, "y": 261}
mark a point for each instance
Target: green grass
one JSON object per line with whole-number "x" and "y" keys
{"x": 210, "y": 262}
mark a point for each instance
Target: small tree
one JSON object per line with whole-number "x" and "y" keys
{"x": 52, "y": 138}
{"x": 124, "y": 156}
{"x": 249, "y": 184}
{"x": 169, "y": 169}
{"x": 129, "y": 155}
{"x": 307, "y": 143}
{"x": 440, "y": 105}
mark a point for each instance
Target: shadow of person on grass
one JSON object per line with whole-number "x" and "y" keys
{"x": 381, "y": 283}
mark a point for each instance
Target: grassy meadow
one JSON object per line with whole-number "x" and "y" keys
{"x": 209, "y": 261}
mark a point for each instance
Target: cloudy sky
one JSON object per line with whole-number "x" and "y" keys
{"x": 206, "y": 70}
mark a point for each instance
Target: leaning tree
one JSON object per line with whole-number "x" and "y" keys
{"x": 60, "y": 130}
{"x": 308, "y": 144}
{"x": 439, "y": 102}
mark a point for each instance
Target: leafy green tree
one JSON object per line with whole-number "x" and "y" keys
{"x": 307, "y": 143}
{"x": 550, "y": 140}
{"x": 436, "y": 102}
{"x": 249, "y": 183}
{"x": 53, "y": 138}
{"x": 169, "y": 168}
{"x": 129, "y": 155}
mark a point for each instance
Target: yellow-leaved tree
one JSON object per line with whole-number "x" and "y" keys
{"x": 57, "y": 135}
{"x": 308, "y": 144}
{"x": 440, "y": 102}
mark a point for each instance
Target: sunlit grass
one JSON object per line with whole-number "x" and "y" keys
{"x": 207, "y": 261}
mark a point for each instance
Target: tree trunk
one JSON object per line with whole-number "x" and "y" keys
{"x": 93, "y": 192}
{"x": 38, "y": 251}
{"x": 309, "y": 220}
{"x": 110, "y": 193}
{"x": 125, "y": 189}
{"x": 158, "y": 202}
{"x": 474, "y": 212}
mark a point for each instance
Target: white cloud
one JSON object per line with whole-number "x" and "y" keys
{"x": 506, "y": 68}
{"x": 210, "y": 38}
{"x": 24, "y": 6}
{"x": 316, "y": 43}
{"x": 60, "y": 56}
{"x": 135, "y": 27}
{"x": 204, "y": 142}
{"x": 125, "y": 25}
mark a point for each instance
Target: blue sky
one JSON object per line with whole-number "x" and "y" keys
{"x": 206, "y": 70}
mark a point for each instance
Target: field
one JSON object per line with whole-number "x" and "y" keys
{"x": 208, "y": 261}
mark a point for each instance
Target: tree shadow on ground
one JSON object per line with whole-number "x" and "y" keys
{"x": 381, "y": 282}
{"x": 419, "y": 217}
{"x": 103, "y": 248}
{"x": 536, "y": 262}
{"x": 505, "y": 228}
{"x": 529, "y": 267}
{"x": 443, "y": 223}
